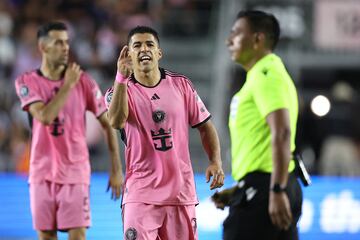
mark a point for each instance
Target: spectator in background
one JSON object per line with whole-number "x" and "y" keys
{"x": 27, "y": 56}
{"x": 57, "y": 96}
{"x": 340, "y": 156}
{"x": 99, "y": 36}
{"x": 7, "y": 47}
{"x": 340, "y": 152}
{"x": 5, "y": 127}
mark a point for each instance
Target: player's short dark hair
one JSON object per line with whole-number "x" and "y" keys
{"x": 143, "y": 29}
{"x": 266, "y": 23}
{"x": 44, "y": 30}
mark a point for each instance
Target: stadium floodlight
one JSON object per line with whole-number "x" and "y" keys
{"x": 320, "y": 105}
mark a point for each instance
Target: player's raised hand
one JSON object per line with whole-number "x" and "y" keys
{"x": 72, "y": 75}
{"x": 124, "y": 64}
{"x": 116, "y": 181}
{"x": 215, "y": 170}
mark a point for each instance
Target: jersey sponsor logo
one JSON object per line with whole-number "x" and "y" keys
{"x": 155, "y": 97}
{"x": 158, "y": 116}
{"x": 57, "y": 127}
{"x": 24, "y": 91}
{"x": 131, "y": 234}
{"x": 163, "y": 137}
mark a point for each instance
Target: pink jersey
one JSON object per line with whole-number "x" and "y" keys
{"x": 58, "y": 151}
{"x": 156, "y": 134}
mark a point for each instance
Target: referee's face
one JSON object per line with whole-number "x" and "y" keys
{"x": 241, "y": 42}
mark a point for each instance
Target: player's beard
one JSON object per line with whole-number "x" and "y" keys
{"x": 63, "y": 62}
{"x": 147, "y": 67}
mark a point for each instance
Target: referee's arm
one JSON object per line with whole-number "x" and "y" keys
{"x": 279, "y": 206}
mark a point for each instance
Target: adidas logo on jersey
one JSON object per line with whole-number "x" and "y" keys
{"x": 155, "y": 97}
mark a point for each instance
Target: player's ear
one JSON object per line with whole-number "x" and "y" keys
{"x": 160, "y": 53}
{"x": 42, "y": 45}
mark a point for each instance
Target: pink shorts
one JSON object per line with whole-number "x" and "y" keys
{"x": 154, "y": 222}
{"x": 59, "y": 206}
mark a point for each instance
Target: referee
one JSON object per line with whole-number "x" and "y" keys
{"x": 266, "y": 203}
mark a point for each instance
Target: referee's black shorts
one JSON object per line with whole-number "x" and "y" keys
{"x": 249, "y": 217}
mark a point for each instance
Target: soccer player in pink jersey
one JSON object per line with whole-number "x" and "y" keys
{"x": 57, "y": 96}
{"x": 154, "y": 108}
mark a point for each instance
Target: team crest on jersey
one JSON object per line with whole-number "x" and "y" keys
{"x": 24, "y": 91}
{"x": 131, "y": 234}
{"x": 158, "y": 116}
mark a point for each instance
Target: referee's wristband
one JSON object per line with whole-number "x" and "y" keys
{"x": 120, "y": 78}
{"x": 277, "y": 188}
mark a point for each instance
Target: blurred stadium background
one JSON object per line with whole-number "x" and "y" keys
{"x": 320, "y": 45}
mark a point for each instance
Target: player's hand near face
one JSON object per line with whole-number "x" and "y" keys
{"x": 116, "y": 181}
{"x": 215, "y": 171}
{"x": 72, "y": 75}
{"x": 124, "y": 63}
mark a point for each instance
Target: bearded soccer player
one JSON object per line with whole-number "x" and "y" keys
{"x": 154, "y": 108}
{"x": 57, "y": 96}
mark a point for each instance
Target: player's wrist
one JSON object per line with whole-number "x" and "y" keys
{"x": 120, "y": 78}
{"x": 67, "y": 86}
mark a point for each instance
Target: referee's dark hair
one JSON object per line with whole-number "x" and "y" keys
{"x": 44, "y": 30}
{"x": 266, "y": 23}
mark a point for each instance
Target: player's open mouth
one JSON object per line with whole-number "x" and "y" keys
{"x": 145, "y": 58}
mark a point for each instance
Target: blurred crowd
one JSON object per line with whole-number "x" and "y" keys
{"x": 98, "y": 29}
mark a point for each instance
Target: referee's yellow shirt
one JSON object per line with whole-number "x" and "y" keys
{"x": 268, "y": 87}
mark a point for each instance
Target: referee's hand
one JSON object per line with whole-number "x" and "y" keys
{"x": 279, "y": 210}
{"x": 222, "y": 199}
